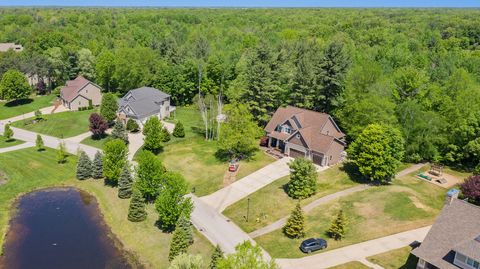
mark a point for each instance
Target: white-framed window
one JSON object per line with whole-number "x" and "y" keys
{"x": 298, "y": 136}
{"x": 463, "y": 260}
{"x": 287, "y": 129}
{"x": 421, "y": 263}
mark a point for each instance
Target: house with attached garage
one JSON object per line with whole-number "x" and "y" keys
{"x": 298, "y": 132}
{"x": 80, "y": 93}
{"x": 454, "y": 240}
{"x": 143, "y": 103}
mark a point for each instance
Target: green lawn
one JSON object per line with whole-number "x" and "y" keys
{"x": 406, "y": 204}
{"x": 350, "y": 265}
{"x": 11, "y": 109}
{"x": 98, "y": 143}
{"x": 398, "y": 258}
{"x": 5, "y": 144}
{"x": 63, "y": 124}
{"x": 28, "y": 170}
{"x": 272, "y": 203}
{"x": 195, "y": 158}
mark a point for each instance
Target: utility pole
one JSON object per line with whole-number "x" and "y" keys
{"x": 248, "y": 207}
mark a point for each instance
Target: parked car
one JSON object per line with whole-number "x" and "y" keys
{"x": 233, "y": 166}
{"x": 313, "y": 244}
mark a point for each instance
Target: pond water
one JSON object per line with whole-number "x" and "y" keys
{"x": 60, "y": 228}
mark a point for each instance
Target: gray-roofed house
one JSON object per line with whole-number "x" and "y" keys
{"x": 304, "y": 133}
{"x": 454, "y": 240}
{"x": 143, "y": 103}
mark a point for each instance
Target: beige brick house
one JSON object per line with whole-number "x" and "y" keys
{"x": 299, "y": 132}
{"x": 79, "y": 93}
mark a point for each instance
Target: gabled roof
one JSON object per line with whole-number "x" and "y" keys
{"x": 456, "y": 229}
{"x": 10, "y": 46}
{"x": 144, "y": 101}
{"x": 72, "y": 88}
{"x": 309, "y": 124}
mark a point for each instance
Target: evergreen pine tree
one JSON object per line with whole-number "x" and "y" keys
{"x": 179, "y": 131}
{"x": 295, "y": 226}
{"x": 61, "y": 153}
{"x": 216, "y": 256}
{"x": 97, "y": 166}
{"x": 182, "y": 238}
{"x": 119, "y": 131}
{"x": 338, "y": 228}
{"x": 39, "y": 143}
{"x": 165, "y": 135}
{"x": 84, "y": 166}
{"x": 136, "y": 210}
{"x": 7, "y": 132}
{"x": 125, "y": 183}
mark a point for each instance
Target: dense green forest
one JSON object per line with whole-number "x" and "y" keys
{"x": 416, "y": 69}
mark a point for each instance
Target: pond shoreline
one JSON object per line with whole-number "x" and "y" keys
{"x": 130, "y": 257}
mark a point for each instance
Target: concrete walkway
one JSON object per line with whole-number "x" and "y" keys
{"x": 410, "y": 169}
{"x": 221, "y": 199}
{"x": 135, "y": 142}
{"x": 217, "y": 228}
{"x": 72, "y": 147}
{"x": 45, "y": 111}
{"x": 17, "y": 147}
{"x": 357, "y": 252}
{"x": 170, "y": 126}
{"x": 307, "y": 208}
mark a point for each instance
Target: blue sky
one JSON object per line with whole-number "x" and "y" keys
{"x": 248, "y": 3}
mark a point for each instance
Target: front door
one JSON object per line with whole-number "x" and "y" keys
{"x": 281, "y": 145}
{"x": 273, "y": 142}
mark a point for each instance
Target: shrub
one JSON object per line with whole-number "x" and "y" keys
{"x": 132, "y": 125}
{"x": 179, "y": 131}
{"x": 39, "y": 143}
{"x": 165, "y": 135}
{"x": 7, "y": 132}
{"x": 471, "y": 188}
{"x": 61, "y": 153}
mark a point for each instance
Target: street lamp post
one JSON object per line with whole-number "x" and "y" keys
{"x": 248, "y": 207}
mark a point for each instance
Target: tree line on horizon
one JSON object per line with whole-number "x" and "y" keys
{"x": 415, "y": 70}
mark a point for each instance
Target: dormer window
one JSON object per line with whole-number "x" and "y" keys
{"x": 287, "y": 130}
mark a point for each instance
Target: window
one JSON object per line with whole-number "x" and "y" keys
{"x": 461, "y": 257}
{"x": 287, "y": 130}
{"x": 330, "y": 158}
{"x": 298, "y": 136}
{"x": 466, "y": 260}
{"x": 421, "y": 263}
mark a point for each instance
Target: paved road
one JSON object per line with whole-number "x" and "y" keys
{"x": 357, "y": 252}
{"x": 240, "y": 189}
{"x": 217, "y": 228}
{"x": 17, "y": 147}
{"x": 323, "y": 200}
{"x": 135, "y": 142}
{"x": 52, "y": 142}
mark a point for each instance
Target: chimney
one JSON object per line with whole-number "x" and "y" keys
{"x": 451, "y": 195}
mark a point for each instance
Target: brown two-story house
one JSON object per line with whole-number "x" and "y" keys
{"x": 298, "y": 132}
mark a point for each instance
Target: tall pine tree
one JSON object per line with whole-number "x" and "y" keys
{"x": 330, "y": 72}
{"x": 302, "y": 93}
{"x": 125, "y": 183}
{"x": 216, "y": 256}
{"x": 84, "y": 166}
{"x": 182, "y": 238}
{"x": 97, "y": 166}
{"x": 119, "y": 131}
{"x": 338, "y": 228}
{"x": 295, "y": 226}
{"x": 136, "y": 210}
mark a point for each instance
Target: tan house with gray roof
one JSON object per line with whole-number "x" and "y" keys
{"x": 80, "y": 93}
{"x": 299, "y": 132}
{"x": 454, "y": 240}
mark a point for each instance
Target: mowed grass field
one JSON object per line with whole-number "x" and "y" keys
{"x": 406, "y": 204}
{"x": 12, "y": 142}
{"x": 28, "y": 170}
{"x": 272, "y": 203}
{"x": 98, "y": 143}
{"x": 15, "y": 108}
{"x": 398, "y": 258}
{"x": 194, "y": 157}
{"x": 62, "y": 125}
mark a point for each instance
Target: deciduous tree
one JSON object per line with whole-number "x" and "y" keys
{"x": 303, "y": 179}
{"x": 132, "y": 125}
{"x": 39, "y": 143}
{"x": 109, "y": 107}
{"x": 14, "y": 85}
{"x": 471, "y": 188}
{"x": 153, "y": 135}
{"x": 61, "y": 153}
{"x": 7, "y": 132}
{"x": 149, "y": 175}
{"x": 114, "y": 159}
{"x": 246, "y": 256}
{"x": 98, "y": 125}
{"x": 187, "y": 261}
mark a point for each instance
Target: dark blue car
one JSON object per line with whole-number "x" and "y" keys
{"x": 313, "y": 244}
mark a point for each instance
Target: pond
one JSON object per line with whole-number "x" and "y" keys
{"x": 61, "y": 228}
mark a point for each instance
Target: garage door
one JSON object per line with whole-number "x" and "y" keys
{"x": 296, "y": 153}
{"x": 317, "y": 159}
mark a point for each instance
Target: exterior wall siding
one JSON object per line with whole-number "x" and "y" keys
{"x": 334, "y": 154}
{"x": 93, "y": 93}
{"x": 78, "y": 102}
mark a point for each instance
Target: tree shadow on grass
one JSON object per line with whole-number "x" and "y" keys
{"x": 168, "y": 229}
{"x": 412, "y": 260}
{"x": 354, "y": 174}
{"x": 19, "y": 102}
